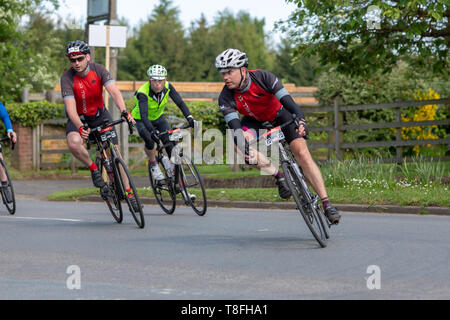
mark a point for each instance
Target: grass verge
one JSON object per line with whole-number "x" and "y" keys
{"x": 404, "y": 196}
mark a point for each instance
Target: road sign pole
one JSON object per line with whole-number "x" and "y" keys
{"x": 108, "y": 30}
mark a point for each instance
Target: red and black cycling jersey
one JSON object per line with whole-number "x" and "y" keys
{"x": 87, "y": 90}
{"x": 259, "y": 100}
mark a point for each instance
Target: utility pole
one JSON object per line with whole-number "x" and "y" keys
{"x": 123, "y": 131}
{"x": 101, "y": 10}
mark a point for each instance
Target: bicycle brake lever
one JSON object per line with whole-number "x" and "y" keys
{"x": 88, "y": 144}
{"x": 130, "y": 127}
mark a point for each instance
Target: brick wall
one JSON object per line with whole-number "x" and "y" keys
{"x": 22, "y": 155}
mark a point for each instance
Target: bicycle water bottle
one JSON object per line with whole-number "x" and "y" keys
{"x": 167, "y": 165}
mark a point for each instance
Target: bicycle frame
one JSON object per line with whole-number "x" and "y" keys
{"x": 307, "y": 199}
{"x": 175, "y": 179}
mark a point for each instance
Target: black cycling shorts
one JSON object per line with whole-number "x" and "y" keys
{"x": 283, "y": 116}
{"x": 161, "y": 124}
{"x": 92, "y": 122}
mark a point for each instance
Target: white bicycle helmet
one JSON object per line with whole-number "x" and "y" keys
{"x": 157, "y": 72}
{"x": 231, "y": 58}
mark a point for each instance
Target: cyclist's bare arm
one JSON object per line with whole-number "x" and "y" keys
{"x": 71, "y": 109}
{"x": 117, "y": 97}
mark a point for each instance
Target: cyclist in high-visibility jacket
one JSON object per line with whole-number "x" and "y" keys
{"x": 151, "y": 100}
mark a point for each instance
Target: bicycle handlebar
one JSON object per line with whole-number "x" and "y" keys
{"x": 106, "y": 125}
{"x": 174, "y": 129}
{"x": 8, "y": 139}
{"x": 109, "y": 124}
{"x": 269, "y": 132}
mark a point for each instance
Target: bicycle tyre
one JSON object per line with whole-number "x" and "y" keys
{"x": 10, "y": 206}
{"x": 139, "y": 214}
{"x": 188, "y": 168}
{"x": 321, "y": 214}
{"x": 312, "y": 218}
{"x": 112, "y": 200}
{"x": 164, "y": 192}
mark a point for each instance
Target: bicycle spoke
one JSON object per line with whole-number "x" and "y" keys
{"x": 110, "y": 195}
{"x": 11, "y": 202}
{"x": 192, "y": 183}
{"x": 163, "y": 191}
{"x": 136, "y": 207}
{"x": 305, "y": 205}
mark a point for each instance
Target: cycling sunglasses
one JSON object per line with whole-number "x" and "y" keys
{"x": 79, "y": 59}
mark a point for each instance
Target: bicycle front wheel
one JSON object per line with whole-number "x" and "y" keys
{"x": 135, "y": 208}
{"x": 163, "y": 190}
{"x": 308, "y": 211}
{"x": 7, "y": 191}
{"x": 192, "y": 184}
{"x": 110, "y": 194}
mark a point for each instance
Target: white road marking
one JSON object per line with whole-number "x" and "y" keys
{"x": 50, "y": 219}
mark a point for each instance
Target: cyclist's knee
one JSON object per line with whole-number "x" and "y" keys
{"x": 300, "y": 149}
{"x": 149, "y": 144}
{"x": 74, "y": 141}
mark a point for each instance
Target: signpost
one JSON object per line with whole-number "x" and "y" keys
{"x": 109, "y": 36}
{"x": 98, "y": 10}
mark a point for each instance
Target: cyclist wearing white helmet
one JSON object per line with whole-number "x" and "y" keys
{"x": 259, "y": 96}
{"x": 151, "y": 99}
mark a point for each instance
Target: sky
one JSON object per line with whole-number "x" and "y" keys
{"x": 190, "y": 10}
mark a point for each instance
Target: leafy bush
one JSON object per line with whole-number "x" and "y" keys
{"x": 403, "y": 84}
{"x": 206, "y": 111}
{"x": 33, "y": 113}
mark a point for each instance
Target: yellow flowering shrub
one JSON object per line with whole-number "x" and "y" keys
{"x": 421, "y": 113}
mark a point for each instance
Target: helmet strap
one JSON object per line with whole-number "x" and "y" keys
{"x": 243, "y": 82}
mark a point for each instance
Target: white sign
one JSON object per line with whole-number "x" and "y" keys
{"x": 117, "y": 36}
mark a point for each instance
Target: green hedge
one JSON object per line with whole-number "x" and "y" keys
{"x": 36, "y": 112}
{"x": 207, "y": 112}
{"x": 33, "y": 113}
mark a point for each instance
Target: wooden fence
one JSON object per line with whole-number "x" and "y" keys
{"x": 336, "y": 131}
{"x": 205, "y": 91}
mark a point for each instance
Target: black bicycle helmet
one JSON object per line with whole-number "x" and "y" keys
{"x": 76, "y": 48}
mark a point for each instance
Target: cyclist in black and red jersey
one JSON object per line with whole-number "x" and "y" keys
{"x": 259, "y": 96}
{"x": 82, "y": 89}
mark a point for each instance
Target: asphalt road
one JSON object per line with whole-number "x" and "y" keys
{"x": 227, "y": 254}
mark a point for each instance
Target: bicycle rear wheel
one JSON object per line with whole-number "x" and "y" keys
{"x": 137, "y": 213}
{"x": 163, "y": 190}
{"x": 9, "y": 203}
{"x": 110, "y": 194}
{"x": 192, "y": 183}
{"x": 308, "y": 211}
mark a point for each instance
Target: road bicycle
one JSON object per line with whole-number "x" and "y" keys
{"x": 306, "y": 201}
{"x": 8, "y": 188}
{"x": 180, "y": 176}
{"x": 114, "y": 169}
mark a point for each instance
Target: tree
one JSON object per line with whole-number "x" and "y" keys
{"x": 21, "y": 64}
{"x": 300, "y": 70}
{"x": 200, "y": 53}
{"x": 244, "y": 33}
{"x": 160, "y": 40}
{"x": 360, "y": 37}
